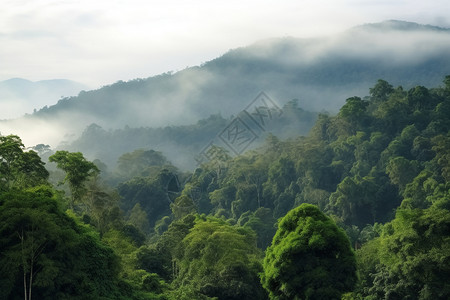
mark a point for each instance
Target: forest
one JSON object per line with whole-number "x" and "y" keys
{"x": 358, "y": 208}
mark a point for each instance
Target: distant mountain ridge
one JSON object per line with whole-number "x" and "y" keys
{"x": 320, "y": 72}
{"x": 22, "y": 95}
{"x": 401, "y": 25}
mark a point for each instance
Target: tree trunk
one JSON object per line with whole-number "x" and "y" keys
{"x": 31, "y": 279}
{"x": 21, "y": 237}
{"x": 24, "y": 283}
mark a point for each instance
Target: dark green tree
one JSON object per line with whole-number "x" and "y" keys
{"x": 355, "y": 200}
{"x": 19, "y": 168}
{"x": 263, "y": 223}
{"x": 160, "y": 257}
{"x": 310, "y": 258}
{"x": 354, "y": 111}
{"x": 142, "y": 163}
{"x": 150, "y": 193}
{"x": 402, "y": 171}
{"x": 45, "y": 254}
{"x": 381, "y": 91}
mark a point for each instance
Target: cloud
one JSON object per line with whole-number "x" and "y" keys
{"x": 100, "y": 42}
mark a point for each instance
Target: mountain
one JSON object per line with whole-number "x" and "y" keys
{"x": 321, "y": 72}
{"x": 187, "y": 146}
{"x": 402, "y": 26}
{"x": 21, "y": 96}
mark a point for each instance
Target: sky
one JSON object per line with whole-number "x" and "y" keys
{"x": 99, "y": 42}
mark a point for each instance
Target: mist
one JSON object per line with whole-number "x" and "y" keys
{"x": 20, "y": 96}
{"x": 320, "y": 72}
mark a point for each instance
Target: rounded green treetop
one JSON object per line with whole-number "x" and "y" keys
{"x": 310, "y": 258}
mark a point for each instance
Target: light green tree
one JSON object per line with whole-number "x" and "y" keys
{"x": 410, "y": 258}
{"x": 219, "y": 260}
{"x": 78, "y": 171}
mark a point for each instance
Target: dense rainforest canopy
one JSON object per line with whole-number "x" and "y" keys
{"x": 357, "y": 209}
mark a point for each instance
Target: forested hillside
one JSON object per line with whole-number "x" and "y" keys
{"x": 356, "y": 209}
{"x": 321, "y": 72}
{"x": 181, "y": 144}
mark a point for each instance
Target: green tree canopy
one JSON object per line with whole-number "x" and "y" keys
{"x": 381, "y": 91}
{"x": 411, "y": 258}
{"x": 142, "y": 162}
{"x": 45, "y": 254}
{"x": 19, "y": 168}
{"x": 77, "y": 169}
{"x": 310, "y": 258}
{"x": 219, "y": 260}
{"x": 354, "y": 110}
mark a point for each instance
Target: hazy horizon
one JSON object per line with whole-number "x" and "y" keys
{"x": 101, "y": 42}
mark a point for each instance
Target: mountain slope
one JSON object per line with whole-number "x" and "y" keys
{"x": 21, "y": 96}
{"x": 320, "y": 72}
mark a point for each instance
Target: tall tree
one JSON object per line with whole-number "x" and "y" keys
{"x": 219, "y": 260}
{"x": 310, "y": 258}
{"x": 45, "y": 254}
{"x": 78, "y": 170}
{"x": 19, "y": 168}
{"x": 354, "y": 111}
{"x": 381, "y": 91}
{"x": 142, "y": 163}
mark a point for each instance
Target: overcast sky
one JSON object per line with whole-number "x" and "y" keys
{"x": 98, "y": 42}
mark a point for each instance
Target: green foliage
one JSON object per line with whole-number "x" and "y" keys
{"x": 150, "y": 193}
{"x": 162, "y": 225}
{"x": 401, "y": 171}
{"x": 153, "y": 259}
{"x": 381, "y": 91}
{"x": 262, "y": 223}
{"x": 176, "y": 142}
{"x": 19, "y": 168}
{"x": 380, "y": 152}
{"x": 188, "y": 292}
{"x": 77, "y": 169}
{"x": 358, "y": 165}
{"x": 223, "y": 197}
{"x": 182, "y": 206}
{"x": 139, "y": 218}
{"x": 219, "y": 260}
{"x": 160, "y": 257}
{"x": 100, "y": 206}
{"x": 125, "y": 247}
{"x": 441, "y": 145}
{"x": 310, "y": 258}
{"x": 47, "y": 254}
{"x": 362, "y": 201}
{"x": 278, "y": 189}
{"x": 354, "y": 110}
{"x": 410, "y": 259}
{"x": 142, "y": 163}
